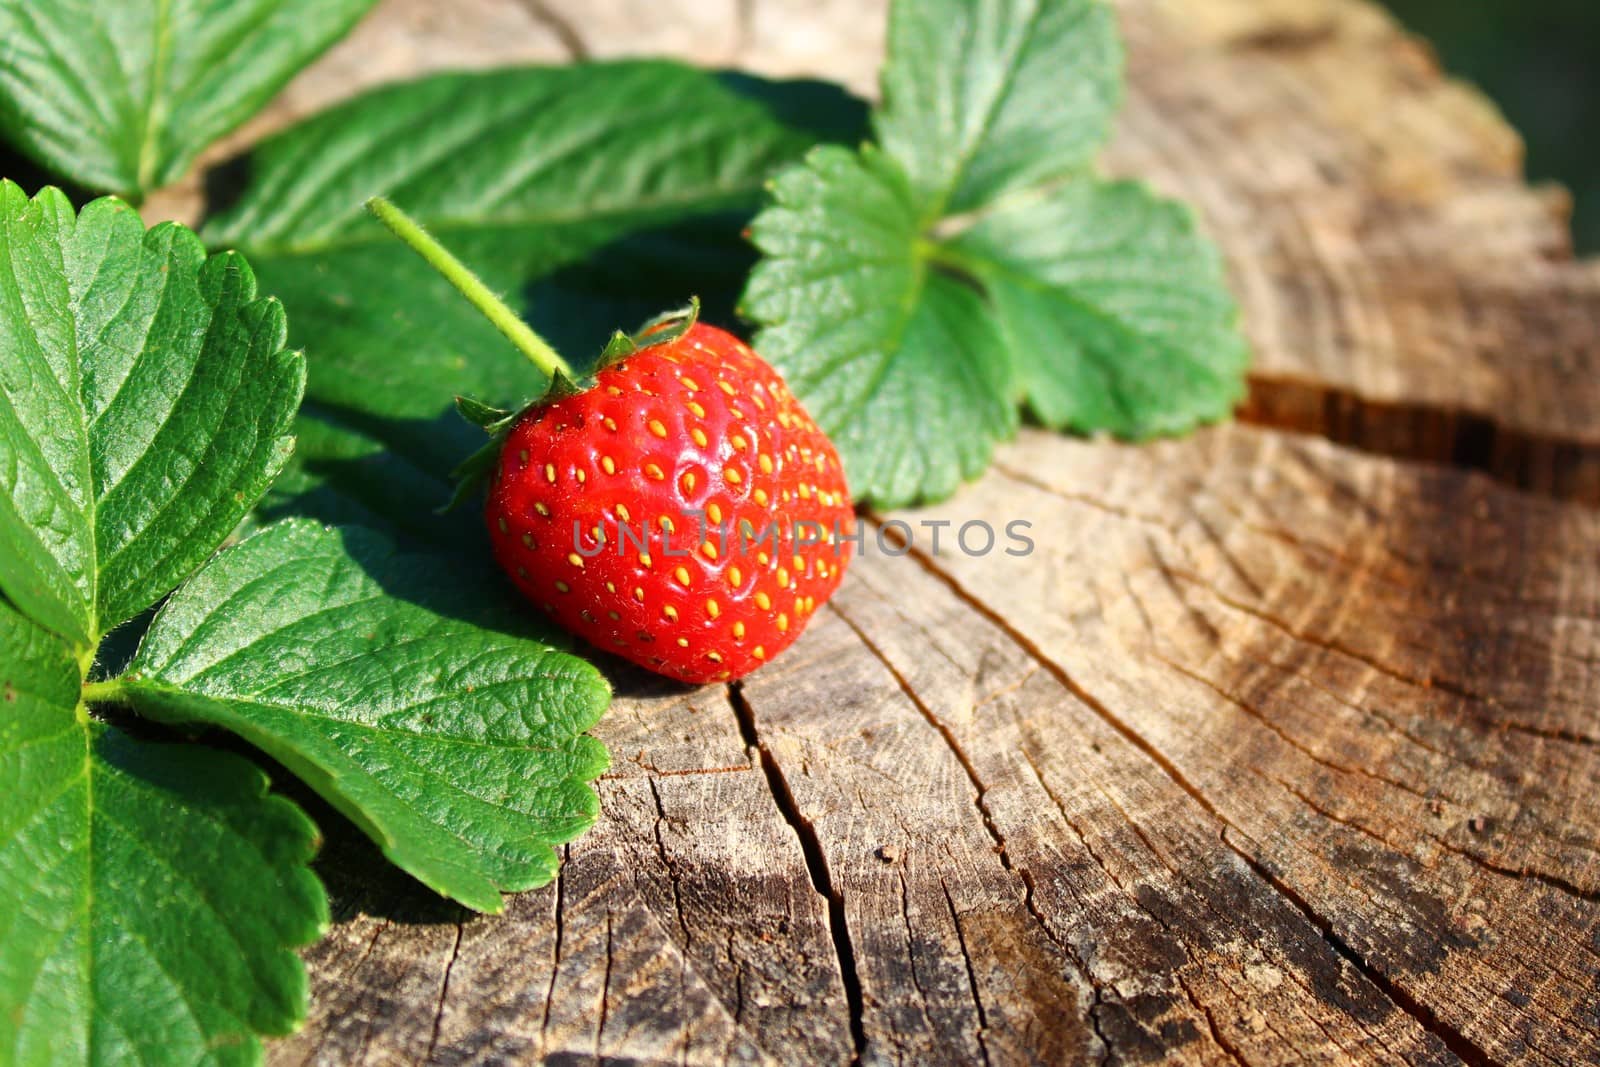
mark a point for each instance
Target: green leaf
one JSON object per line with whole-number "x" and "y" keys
{"x": 524, "y": 172}
{"x": 916, "y": 292}
{"x": 983, "y": 99}
{"x": 1114, "y": 308}
{"x": 898, "y": 362}
{"x": 389, "y": 685}
{"x": 122, "y": 96}
{"x": 595, "y": 196}
{"x": 145, "y": 405}
{"x": 151, "y": 895}
{"x": 572, "y": 156}
{"x": 350, "y": 469}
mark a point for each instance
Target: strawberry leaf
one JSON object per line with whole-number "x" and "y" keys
{"x": 984, "y": 99}
{"x": 1115, "y": 312}
{"x": 915, "y": 292}
{"x": 392, "y": 687}
{"x": 151, "y": 895}
{"x": 899, "y": 362}
{"x": 148, "y": 400}
{"x": 122, "y": 96}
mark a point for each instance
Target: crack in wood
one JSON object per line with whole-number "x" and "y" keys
{"x": 939, "y": 726}
{"x": 444, "y": 991}
{"x": 1029, "y": 895}
{"x": 1172, "y": 573}
{"x": 911, "y": 943}
{"x": 1554, "y": 881}
{"x": 1547, "y": 464}
{"x": 1444, "y": 685}
{"x": 1122, "y": 887}
{"x": 1287, "y": 37}
{"x": 1453, "y": 1039}
{"x": 1430, "y": 568}
{"x": 1295, "y": 974}
{"x": 682, "y": 772}
{"x": 1168, "y": 578}
{"x": 559, "y": 922}
{"x": 1544, "y": 733}
{"x": 922, "y": 1005}
{"x": 672, "y": 868}
{"x": 1384, "y": 721}
{"x": 738, "y": 985}
{"x": 1196, "y": 516}
{"x": 1095, "y": 985}
{"x": 1464, "y": 759}
{"x": 972, "y": 974}
{"x": 1284, "y": 735}
{"x": 349, "y": 975}
{"x": 372, "y": 943}
{"x": 1088, "y": 500}
{"x": 1359, "y": 565}
{"x": 816, "y": 865}
{"x": 1211, "y": 1024}
{"x": 1026, "y": 876}
{"x": 605, "y": 993}
{"x": 1515, "y": 874}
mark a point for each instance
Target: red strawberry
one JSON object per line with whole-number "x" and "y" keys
{"x": 680, "y": 509}
{"x": 593, "y": 511}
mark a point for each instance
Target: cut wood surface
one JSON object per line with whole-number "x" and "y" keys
{"x": 1275, "y": 748}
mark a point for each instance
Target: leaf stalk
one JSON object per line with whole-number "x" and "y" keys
{"x": 103, "y": 692}
{"x": 469, "y": 285}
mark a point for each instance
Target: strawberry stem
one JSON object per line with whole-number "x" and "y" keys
{"x": 469, "y": 285}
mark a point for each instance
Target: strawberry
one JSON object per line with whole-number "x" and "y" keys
{"x": 677, "y": 507}
{"x": 663, "y": 513}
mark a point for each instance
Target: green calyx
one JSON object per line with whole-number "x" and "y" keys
{"x": 563, "y": 379}
{"x": 664, "y": 329}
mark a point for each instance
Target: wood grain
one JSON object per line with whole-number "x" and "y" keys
{"x": 1262, "y": 754}
{"x": 1377, "y": 680}
{"x": 1272, "y": 750}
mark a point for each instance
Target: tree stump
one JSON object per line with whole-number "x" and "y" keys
{"x": 1281, "y": 745}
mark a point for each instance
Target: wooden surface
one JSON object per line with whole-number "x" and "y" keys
{"x": 1275, "y": 749}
